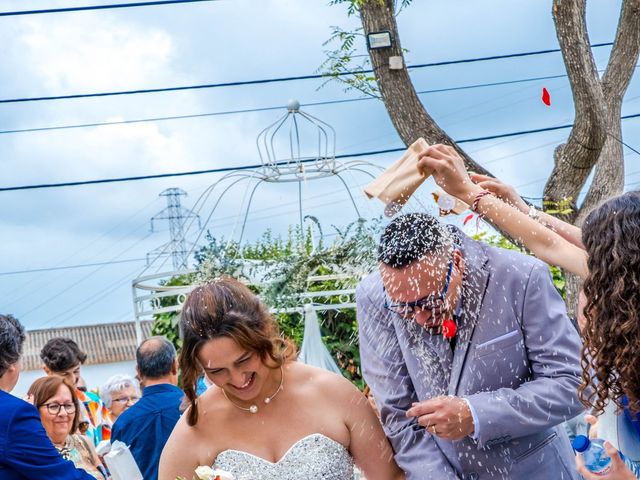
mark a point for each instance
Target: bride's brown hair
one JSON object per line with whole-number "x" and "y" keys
{"x": 226, "y": 308}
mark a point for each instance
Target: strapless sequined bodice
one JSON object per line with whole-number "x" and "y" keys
{"x": 313, "y": 457}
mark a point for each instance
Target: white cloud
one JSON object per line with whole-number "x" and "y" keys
{"x": 95, "y": 54}
{"x": 217, "y": 42}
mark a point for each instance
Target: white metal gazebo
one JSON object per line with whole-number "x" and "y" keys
{"x": 283, "y": 148}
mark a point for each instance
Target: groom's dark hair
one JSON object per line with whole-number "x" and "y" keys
{"x": 410, "y": 237}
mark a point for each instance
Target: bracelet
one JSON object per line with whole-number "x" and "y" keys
{"x": 474, "y": 205}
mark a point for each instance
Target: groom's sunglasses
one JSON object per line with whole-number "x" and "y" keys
{"x": 430, "y": 302}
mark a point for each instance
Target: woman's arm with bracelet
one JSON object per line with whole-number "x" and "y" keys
{"x": 507, "y": 193}
{"x": 450, "y": 174}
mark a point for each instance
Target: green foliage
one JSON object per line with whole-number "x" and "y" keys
{"x": 343, "y": 61}
{"x": 167, "y": 323}
{"x": 351, "y": 253}
{"x": 345, "y": 65}
{"x": 561, "y": 207}
{"x": 353, "y": 6}
{"x": 502, "y": 242}
{"x": 283, "y": 267}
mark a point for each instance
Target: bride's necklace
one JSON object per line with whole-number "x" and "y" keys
{"x": 254, "y": 408}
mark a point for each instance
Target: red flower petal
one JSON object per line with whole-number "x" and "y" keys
{"x": 546, "y": 98}
{"x": 467, "y": 218}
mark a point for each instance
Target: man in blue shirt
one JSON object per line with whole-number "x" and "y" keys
{"x": 145, "y": 427}
{"x": 26, "y": 453}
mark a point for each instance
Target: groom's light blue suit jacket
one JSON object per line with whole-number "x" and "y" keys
{"x": 516, "y": 361}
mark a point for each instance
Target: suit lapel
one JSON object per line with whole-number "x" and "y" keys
{"x": 442, "y": 348}
{"x": 434, "y": 356}
{"x": 474, "y": 288}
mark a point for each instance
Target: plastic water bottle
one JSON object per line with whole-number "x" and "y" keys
{"x": 595, "y": 457}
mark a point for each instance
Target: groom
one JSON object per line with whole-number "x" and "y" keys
{"x": 470, "y": 356}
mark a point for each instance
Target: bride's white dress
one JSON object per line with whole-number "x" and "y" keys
{"x": 312, "y": 457}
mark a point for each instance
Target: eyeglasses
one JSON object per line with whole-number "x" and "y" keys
{"x": 430, "y": 302}
{"x": 54, "y": 408}
{"x": 125, "y": 400}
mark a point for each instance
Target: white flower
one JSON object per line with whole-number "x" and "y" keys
{"x": 208, "y": 473}
{"x": 204, "y": 473}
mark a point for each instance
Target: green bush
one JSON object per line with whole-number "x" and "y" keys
{"x": 502, "y": 242}
{"x": 285, "y": 266}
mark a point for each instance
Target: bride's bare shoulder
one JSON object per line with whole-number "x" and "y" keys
{"x": 211, "y": 410}
{"x": 322, "y": 383}
{"x": 197, "y": 444}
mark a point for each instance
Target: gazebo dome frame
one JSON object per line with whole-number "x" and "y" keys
{"x": 151, "y": 294}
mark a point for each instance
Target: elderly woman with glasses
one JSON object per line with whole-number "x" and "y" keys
{"x": 119, "y": 393}
{"x": 62, "y": 356}
{"x": 59, "y": 410}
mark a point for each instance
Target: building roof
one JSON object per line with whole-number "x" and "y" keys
{"x": 105, "y": 343}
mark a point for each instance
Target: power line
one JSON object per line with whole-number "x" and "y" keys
{"x": 217, "y": 225}
{"x": 44, "y": 282}
{"x": 82, "y": 306}
{"x": 90, "y": 300}
{"x": 82, "y": 279}
{"x": 251, "y": 167}
{"x": 69, "y": 267}
{"x": 99, "y": 7}
{"x": 265, "y": 109}
{"x": 277, "y": 107}
{"x": 498, "y": 57}
{"x": 625, "y": 144}
{"x": 279, "y": 79}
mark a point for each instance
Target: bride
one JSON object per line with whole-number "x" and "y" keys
{"x": 267, "y": 416}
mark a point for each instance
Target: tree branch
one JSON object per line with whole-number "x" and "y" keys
{"x": 405, "y": 109}
{"x": 609, "y": 176}
{"x": 624, "y": 53}
{"x": 575, "y": 159}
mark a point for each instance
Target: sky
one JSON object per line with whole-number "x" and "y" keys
{"x": 227, "y": 41}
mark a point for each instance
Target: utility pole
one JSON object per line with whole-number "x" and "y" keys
{"x": 177, "y": 216}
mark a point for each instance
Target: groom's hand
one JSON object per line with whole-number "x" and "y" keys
{"x": 447, "y": 417}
